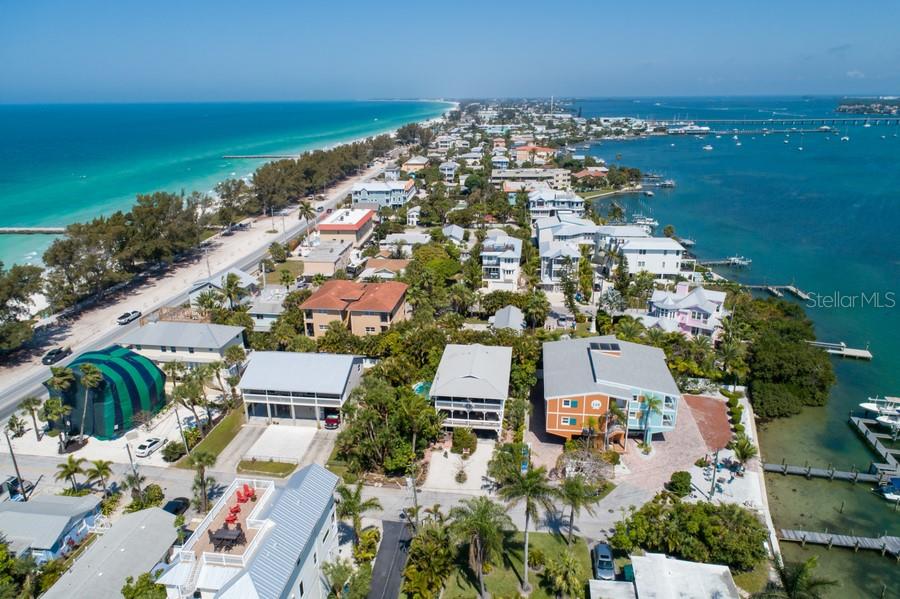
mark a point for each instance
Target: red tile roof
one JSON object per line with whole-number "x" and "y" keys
{"x": 356, "y": 297}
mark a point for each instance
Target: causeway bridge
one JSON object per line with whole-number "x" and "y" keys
{"x": 795, "y": 121}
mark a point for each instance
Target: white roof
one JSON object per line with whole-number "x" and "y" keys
{"x": 559, "y": 249}
{"x": 182, "y": 334}
{"x": 622, "y": 231}
{"x": 659, "y": 577}
{"x": 405, "y": 239}
{"x": 417, "y": 160}
{"x": 450, "y": 165}
{"x": 475, "y": 371}
{"x": 372, "y": 186}
{"x": 346, "y": 216}
{"x": 300, "y": 372}
{"x": 704, "y": 299}
{"x": 652, "y": 243}
{"x": 611, "y": 589}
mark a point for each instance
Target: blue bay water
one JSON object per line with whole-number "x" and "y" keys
{"x": 65, "y": 163}
{"x": 826, "y": 219}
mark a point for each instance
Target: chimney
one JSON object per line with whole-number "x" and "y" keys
{"x": 683, "y": 288}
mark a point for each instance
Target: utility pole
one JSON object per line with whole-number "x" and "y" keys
{"x": 16, "y": 466}
{"x": 715, "y": 466}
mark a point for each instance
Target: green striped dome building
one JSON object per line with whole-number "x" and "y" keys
{"x": 131, "y": 384}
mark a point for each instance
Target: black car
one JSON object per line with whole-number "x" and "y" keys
{"x": 55, "y": 355}
{"x": 177, "y": 506}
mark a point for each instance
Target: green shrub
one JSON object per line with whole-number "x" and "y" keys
{"x": 536, "y": 558}
{"x": 464, "y": 441}
{"x": 69, "y": 492}
{"x": 700, "y": 463}
{"x": 610, "y": 456}
{"x": 461, "y": 476}
{"x": 733, "y": 403}
{"x": 109, "y": 504}
{"x": 173, "y": 451}
{"x": 739, "y": 429}
{"x": 367, "y": 547}
{"x": 680, "y": 483}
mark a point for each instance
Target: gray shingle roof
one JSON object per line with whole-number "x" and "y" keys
{"x": 41, "y": 521}
{"x": 132, "y": 546}
{"x": 296, "y": 515}
{"x": 182, "y": 334}
{"x": 295, "y": 371}
{"x": 476, "y": 371}
{"x": 572, "y": 368}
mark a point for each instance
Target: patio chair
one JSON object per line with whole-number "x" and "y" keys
{"x": 231, "y": 519}
{"x": 235, "y": 509}
{"x": 249, "y": 491}
{"x": 241, "y": 497}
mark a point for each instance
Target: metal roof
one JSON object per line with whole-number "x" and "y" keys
{"x": 182, "y": 334}
{"x": 299, "y": 372}
{"x": 219, "y": 280}
{"x": 509, "y": 317}
{"x": 571, "y": 367}
{"x": 476, "y": 371}
{"x": 40, "y": 522}
{"x": 296, "y": 516}
{"x": 133, "y": 545}
{"x": 652, "y": 243}
{"x": 657, "y": 576}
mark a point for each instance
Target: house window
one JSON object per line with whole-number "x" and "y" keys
{"x": 641, "y": 264}
{"x": 172, "y": 349}
{"x": 569, "y": 421}
{"x": 595, "y": 405}
{"x": 301, "y": 588}
{"x": 315, "y": 557}
{"x": 370, "y": 330}
{"x": 642, "y": 252}
{"x": 323, "y": 327}
{"x": 162, "y": 349}
{"x": 570, "y": 403}
{"x": 190, "y": 350}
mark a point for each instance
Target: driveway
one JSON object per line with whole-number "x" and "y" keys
{"x": 387, "y": 575}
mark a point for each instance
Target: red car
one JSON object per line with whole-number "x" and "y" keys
{"x": 332, "y": 422}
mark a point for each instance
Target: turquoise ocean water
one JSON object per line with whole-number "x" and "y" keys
{"x": 826, "y": 219}
{"x": 65, "y": 163}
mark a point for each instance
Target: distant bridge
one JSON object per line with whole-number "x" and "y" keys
{"x": 32, "y": 230}
{"x": 790, "y": 121}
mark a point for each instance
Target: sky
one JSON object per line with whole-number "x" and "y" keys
{"x": 225, "y": 50}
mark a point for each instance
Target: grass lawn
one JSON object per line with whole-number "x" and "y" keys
{"x": 267, "y": 468}
{"x": 755, "y": 580}
{"x": 295, "y": 267}
{"x": 504, "y": 579}
{"x": 219, "y": 437}
{"x": 337, "y": 465}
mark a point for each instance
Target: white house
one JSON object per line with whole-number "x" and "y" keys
{"x": 557, "y": 178}
{"x": 690, "y": 312}
{"x": 566, "y": 228}
{"x": 192, "y": 343}
{"x": 611, "y": 236}
{"x": 289, "y": 386}
{"x": 448, "y": 170}
{"x": 412, "y": 216}
{"x": 555, "y": 255}
{"x": 659, "y": 576}
{"x": 500, "y": 161}
{"x": 550, "y": 202}
{"x": 405, "y": 242}
{"x": 500, "y": 257}
{"x": 275, "y": 548}
{"x": 385, "y": 194}
{"x": 266, "y": 307}
{"x": 216, "y": 283}
{"x": 660, "y": 256}
{"x": 471, "y": 385}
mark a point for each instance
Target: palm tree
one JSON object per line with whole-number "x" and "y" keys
{"x": 419, "y": 415}
{"x": 796, "y": 581}
{"x": 532, "y": 487}
{"x": 201, "y": 460}
{"x": 577, "y": 493}
{"x": 100, "y": 470}
{"x": 480, "y": 523}
{"x": 285, "y": 278}
{"x": 69, "y": 469}
{"x": 307, "y": 213}
{"x": 61, "y": 379}
{"x": 135, "y": 481}
{"x": 54, "y": 410}
{"x": 564, "y": 576}
{"x": 652, "y": 405}
{"x": 32, "y": 405}
{"x": 537, "y": 307}
{"x": 232, "y": 290}
{"x": 744, "y": 449}
{"x": 731, "y": 354}
{"x": 614, "y": 414}
{"x": 629, "y": 329}
{"x": 208, "y": 301}
{"x": 352, "y": 507}
{"x": 91, "y": 378}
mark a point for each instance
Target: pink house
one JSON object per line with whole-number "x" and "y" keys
{"x": 690, "y": 312}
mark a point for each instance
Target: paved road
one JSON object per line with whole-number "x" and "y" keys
{"x": 31, "y": 384}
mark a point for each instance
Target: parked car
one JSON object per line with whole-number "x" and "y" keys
{"x": 128, "y": 317}
{"x": 332, "y": 421}
{"x": 10, "y": 491}
{"x": 189, "y": 422}
{"x": 148, "y": 446}
{"x": 177, "y": 506}
{"x": 602, "y": 562}
{"x": 55, "y": 355}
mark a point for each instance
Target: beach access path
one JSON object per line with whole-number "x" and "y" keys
{"x": 96, "y": 327}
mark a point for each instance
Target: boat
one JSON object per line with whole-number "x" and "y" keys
{"x": 882, "y": 405}
{"x": 786, "y": 141}
{"x": 668, "y": 183}
{"x": 867, "y": 125}
{"x": 734, "y": 137}
{"x": 718, "y": 137}
{"x": 845, "y": 138}
{"x": 738, "y": 143}
{"x": 799, "y": 148}
{"x": 739, "y": 261}
{"x": 707, "y": 147}
{"x": 890, "y": 490}
{"x": 687, "y": 242}
{"x": 644, "y": 221}
{"x": 892, "y": 421}
{"x": 648, "y": 193}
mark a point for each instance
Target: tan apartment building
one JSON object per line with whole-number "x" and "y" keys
{"x": 326, "y": 258}
{"x": 364, "y": 308}
{"x": 348, "y": 225}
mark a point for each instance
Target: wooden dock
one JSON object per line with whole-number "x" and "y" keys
{"x": 830, "y": 473}
{"x": 890, "y": 464}
{"x": 885, "y": 545}
{"x": 779, "y": 290}
{"x": 32, "y": 230}
{"x": 841, "y": 349}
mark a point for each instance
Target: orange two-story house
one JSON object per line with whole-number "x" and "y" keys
{"x": 582, "y": 377}
{"x": 364, "y": 308}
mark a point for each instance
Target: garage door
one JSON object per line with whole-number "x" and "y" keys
{"x": 305, "y": 412}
